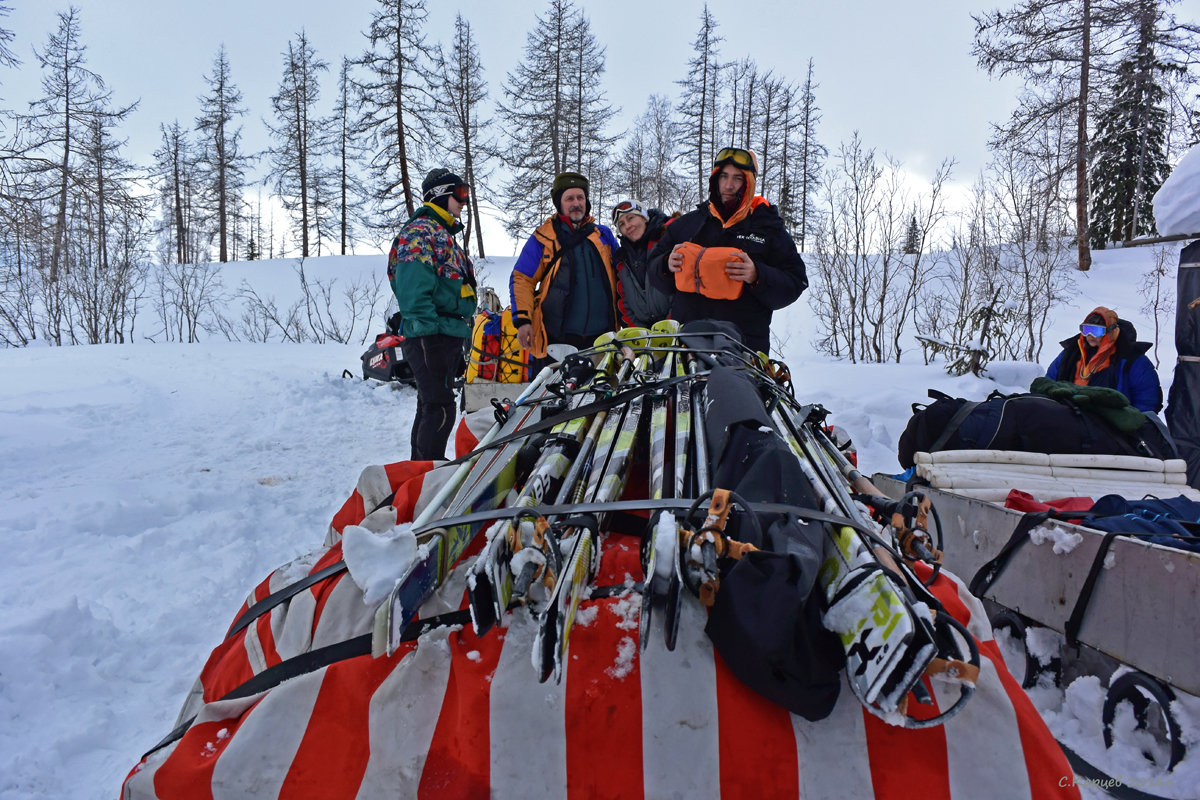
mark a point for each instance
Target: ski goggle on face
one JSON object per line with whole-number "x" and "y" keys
{"x": 738, "y": 157}
{"x": 1093, "y": 330}
{"x": 460, "y": 192}
{"x": 621, "y": 209}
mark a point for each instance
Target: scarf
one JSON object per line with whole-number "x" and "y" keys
{"x": 1086, "y": 367}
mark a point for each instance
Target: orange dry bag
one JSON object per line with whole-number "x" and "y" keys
{"x": 704, "y": 272}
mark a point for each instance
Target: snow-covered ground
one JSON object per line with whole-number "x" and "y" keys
{"x": 145, "y": 489}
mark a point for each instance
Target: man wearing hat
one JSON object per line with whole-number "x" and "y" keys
{"x": 763, "y": 264}
{"x": 563, "y": 285}
{"x": 1107, "y": 353}
{"x": 434, "y": 285}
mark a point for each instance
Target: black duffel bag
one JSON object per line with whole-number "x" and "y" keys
{"x": 1031, "y": 423}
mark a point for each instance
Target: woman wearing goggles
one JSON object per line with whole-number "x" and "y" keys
{"x": 1106, "y": 353}
{"x": 639, "y": 302}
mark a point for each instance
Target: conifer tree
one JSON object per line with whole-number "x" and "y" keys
{"x": 555, "y": 114}
{"x": 1130, "y": 160}
{"x": 912, "y": 239}
{"x": 1049, "y": 42}
{"x": 58, "y": 124}
{"x": 464, "y": 132}
{"x": 698, "y": 102}
{"x": 301, "y": 139}
{"x": 109, "y": 270}
{"x": 665, "y": 186}
{"x": 7, "y": 57}
{"x": 392, "y": 97}
{"x": 222, "y": 162}
{"x": 175, "y": 173}
{"x": 346, "y": 151}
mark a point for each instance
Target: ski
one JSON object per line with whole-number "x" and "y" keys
{"x": 645, "y": 394}
{"x": 492, "y": 581}
{"x": 606, "y": 480}
{"x": 883, "y": 615}
{"x": 660, "y": 548}
{"x": 673, "y": 593}
{"x": 483, "y": 488}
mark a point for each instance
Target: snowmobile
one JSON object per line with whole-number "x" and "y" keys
{"x": 652, "y": 574}
{"x": 384, "y": 360}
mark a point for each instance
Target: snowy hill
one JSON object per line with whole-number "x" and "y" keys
{"x": 147, "y": 488}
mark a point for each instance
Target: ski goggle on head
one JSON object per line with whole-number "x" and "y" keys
{"x": 743, "y": 159}
{"x": 627, "y": 207}
{"x": 1094, "y": 330}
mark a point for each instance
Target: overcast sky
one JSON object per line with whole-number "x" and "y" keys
{"x": 899, "y": 73}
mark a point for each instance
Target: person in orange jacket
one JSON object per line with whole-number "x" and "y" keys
{"x": 1106, "y": 352}
{"x": 564, "y": 285}
{"x": 767, "y": 261}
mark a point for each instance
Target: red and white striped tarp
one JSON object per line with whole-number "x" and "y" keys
{"x": 452, "y": 715}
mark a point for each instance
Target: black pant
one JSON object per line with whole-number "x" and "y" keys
{"x": 435, "y": 362}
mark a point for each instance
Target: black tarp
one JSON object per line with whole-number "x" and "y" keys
{"x": 1183, "y": 416}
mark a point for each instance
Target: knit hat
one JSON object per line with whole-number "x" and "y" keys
{"x": 629, "y": 207}
{"x": 569, "y": 180}
{"x": 439, "y": 184}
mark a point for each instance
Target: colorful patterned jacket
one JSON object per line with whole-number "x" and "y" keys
{"x": 431, "y": 276}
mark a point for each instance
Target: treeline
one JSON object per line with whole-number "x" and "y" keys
{"x": 1108, "y": 103}
{"x": 87, "y": 237}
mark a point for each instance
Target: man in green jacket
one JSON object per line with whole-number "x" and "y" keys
{"x": 434, "y": 285}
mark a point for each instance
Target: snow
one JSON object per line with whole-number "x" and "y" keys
{"x": 376, "y": 562}
{"x": 145, "y": 489}
{"x": 666, "y": 539}
{"x": 1061, "y": 540}
{"x": 1177, "y": 201}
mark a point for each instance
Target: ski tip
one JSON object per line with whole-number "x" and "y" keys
{"x": 634, "y": 337}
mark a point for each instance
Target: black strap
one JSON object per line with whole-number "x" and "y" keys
{"x": 1075, "y": 622}
{"x": 987, "y": 575}
{"x": 313, "y": 660}
{"x": 665, "y": 504}
{"x": 991, "y": 571}
{"x": 275, "y": 598}
{"x": 953, "y": 425}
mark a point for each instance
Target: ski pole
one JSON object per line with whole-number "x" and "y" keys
{"x": 491, "y": 584}
{"x": 699, "y": 417}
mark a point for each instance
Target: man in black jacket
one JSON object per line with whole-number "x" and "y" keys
{"x": 768, "y": 262}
